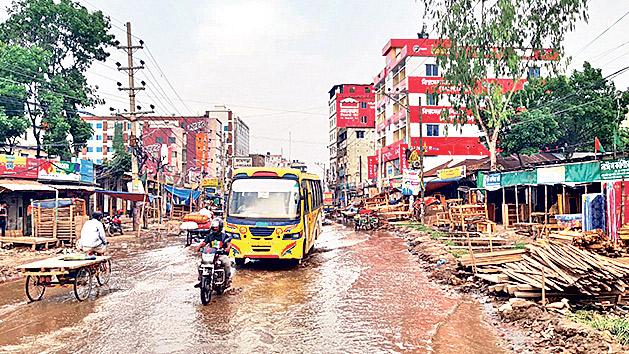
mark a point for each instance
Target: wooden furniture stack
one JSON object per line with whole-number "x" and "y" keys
{"x": 463, "y": 215}
{"x": 63, "y": 223}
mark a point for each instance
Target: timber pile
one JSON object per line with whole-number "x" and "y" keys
{"x": 623, "y": 232}
{"x": 594, "y": 241}
{"x": 64, "y": 223}
{"x": 559, "y": 269}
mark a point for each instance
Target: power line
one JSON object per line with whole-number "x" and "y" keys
{"x": 580, "y": 51}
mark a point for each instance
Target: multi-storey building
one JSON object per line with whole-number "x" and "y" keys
{"x": 352, "y": 124}
{"x": 236, "y": 133}
{"x": 410, "y": 80}
{"x": 188, "y": 148}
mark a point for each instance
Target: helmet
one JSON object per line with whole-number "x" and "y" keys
{"x": 217, "y": 225}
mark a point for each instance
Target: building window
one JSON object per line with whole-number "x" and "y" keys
{"x": 99, "y": 161}
{"x": 432, "y": 130}
{"x": 128, "y": 125}
{"x": 367, "y": 89}
{"x": 534, "y": 72}
{"x": 363, "y": 119}
{"x": 432, "y": 99}
{"x": 90, "y": 149}
{"x": 109, "y": 137}
{"x": 171, "y": 139}
{"x": 159, "y": 140}
{"x": 363, "y": 104}
{"x": 360, "y": 134}
{"x": 352, "y": 90}
{"x": 99, "y": 125}
{"x": 99, "y": 137}
{"x": 173, "y": 155}
{"x": 432, "y": 70}
{"x": 99, "y": 149}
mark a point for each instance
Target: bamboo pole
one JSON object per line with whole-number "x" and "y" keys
{"x": 469, "y": 246}
{"x": 517, "y": 205}
{"x": 545, "y": 204}
{"x": 529, "y": 198}
{"x": 146, "y": 200}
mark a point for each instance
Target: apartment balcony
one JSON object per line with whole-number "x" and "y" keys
{"x": 399, "y": 116}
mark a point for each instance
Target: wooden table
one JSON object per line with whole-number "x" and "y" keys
{"x": 33, "y": 241}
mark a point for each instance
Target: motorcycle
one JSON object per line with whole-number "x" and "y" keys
{"x": 366, "y": 222}
{"x": 113, "y": 225}
{"x": 212, "y": 276}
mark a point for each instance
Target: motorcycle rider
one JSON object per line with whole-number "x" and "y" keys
{"x": 220, "y": 242}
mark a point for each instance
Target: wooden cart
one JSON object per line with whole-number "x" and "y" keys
{"x": 65, "y": 270}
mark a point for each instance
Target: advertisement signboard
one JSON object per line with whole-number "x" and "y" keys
{"x": 209, "y": 182}
{"x": 87, "y": 171}
{"x": 18, "y": 167}
{"x": 59, "y": 171}
{"x": 615, "y": 169}
{"x": 242, "y": 161}
{"x": 410, "y": 182}
{"x": 551, "y": 175}
{"x": 492, "y": 181}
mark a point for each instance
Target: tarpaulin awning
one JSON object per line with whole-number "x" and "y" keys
{"x": 133, "y": 197}
{"x": 585, "y": 172}
{"x": 18, "y": 185}
{"x": 182, "y": 195}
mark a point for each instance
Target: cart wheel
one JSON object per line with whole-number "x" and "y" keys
{"x": 34, "y": 291}
{"x": 104, "y": 273}
{"x": 83, "y": 284}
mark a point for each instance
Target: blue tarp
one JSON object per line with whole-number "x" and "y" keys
{"x": 182, "y": 195}
{"x": 50, "y": 203}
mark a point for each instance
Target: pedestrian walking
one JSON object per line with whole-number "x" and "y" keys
{"x": 3, "y": 217}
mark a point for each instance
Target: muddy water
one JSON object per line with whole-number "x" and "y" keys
{"x": 358, "y": 292}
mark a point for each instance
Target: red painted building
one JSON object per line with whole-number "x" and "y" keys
{"x": 410, "y": 79}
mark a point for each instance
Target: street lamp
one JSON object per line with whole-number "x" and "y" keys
{"x": 421, "y": 148}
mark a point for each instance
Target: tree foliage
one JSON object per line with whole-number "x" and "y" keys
{"x": 501, "y": 40}
{"x": 582, "y": 106}
{"x": 529, "y": 132}
{"x": 68, "y": 39}
{"x": 121, "y": 161}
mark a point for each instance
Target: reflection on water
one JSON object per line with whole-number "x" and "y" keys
{"x": 358, "y": 292}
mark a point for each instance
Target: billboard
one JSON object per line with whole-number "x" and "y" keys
{"x": 60, "y": 171}
{"x": 355, "y": 111}
{"x": 18, "y": 167}
{"x": 372, "y": 167}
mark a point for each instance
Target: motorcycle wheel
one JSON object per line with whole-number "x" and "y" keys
{"x": 206, "y": 290}
{"x": 110, "y": 230}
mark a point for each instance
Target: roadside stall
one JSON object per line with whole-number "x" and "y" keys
{"x": 181, "y": 201}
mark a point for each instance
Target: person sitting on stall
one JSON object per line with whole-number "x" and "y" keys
{"x": 93, "y": 239}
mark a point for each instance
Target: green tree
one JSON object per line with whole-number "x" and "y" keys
{"x": 528, "y": 133}
{"x": 71, "y": 39}
{"x": 582, "y": 106}
{"x": 503, "y": 40}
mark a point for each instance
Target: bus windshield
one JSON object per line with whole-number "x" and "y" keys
{"x": 264, "y": 198}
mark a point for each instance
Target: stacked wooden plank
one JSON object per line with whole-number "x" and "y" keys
{"x": 623, "y": 232}
{"x": 63, "y": 223}
{"x": 557, "y": 268}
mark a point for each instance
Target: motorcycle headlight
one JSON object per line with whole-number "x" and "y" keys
{"x": 295, "y": 236}
{"x": 207, "y": 257}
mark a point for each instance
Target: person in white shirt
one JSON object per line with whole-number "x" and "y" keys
{"x": 93, "y": 238}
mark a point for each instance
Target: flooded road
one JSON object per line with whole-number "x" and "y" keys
{"x": 359, "y": 292}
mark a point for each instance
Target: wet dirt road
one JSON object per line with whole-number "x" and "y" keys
{"x": 357, "y": 293}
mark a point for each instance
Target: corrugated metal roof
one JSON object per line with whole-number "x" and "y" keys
{"x": 24, "y": 185}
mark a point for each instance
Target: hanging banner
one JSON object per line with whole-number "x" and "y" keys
{"x": 18, "y": 167}
{"x": 451, "y": 173}
{"x": 614, "y": 169}
{"x": 410, "y": 182}
{"x": 87, "y": 171}
{"x": 551, "y": 175}
{"x": 372, "y": 167}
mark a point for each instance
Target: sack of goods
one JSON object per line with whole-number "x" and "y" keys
{"x": 196, "y": 217}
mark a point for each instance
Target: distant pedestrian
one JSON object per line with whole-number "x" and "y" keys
{"x": 3, "y": 217}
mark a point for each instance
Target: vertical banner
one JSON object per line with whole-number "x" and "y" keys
{"x": 372, "y": 166}
{"x": 403, "y": 161}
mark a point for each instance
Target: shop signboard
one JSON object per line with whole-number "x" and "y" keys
{"x": 209, "y": 182}
{"x": 242, "y": 161}
{"x": 18, "y": 167}
{"x": 551, "y": 175}
{"x": 451, "y": 173}
{"x": 492, "y": 181}
{"x": 59, "y": 171}
{"x": 372, "y": 167}
{"x": 615, "y": 169}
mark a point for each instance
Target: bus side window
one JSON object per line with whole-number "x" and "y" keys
{"x": 304, "y": 188}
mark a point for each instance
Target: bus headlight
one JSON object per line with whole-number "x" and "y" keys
{"x": 233, "y": 235}
{"x": 295, "y": 236}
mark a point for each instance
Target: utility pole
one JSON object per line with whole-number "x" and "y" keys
{"x": 133, "y": 114}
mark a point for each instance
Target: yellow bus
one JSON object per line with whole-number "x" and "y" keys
{"x": 273, "y": 213}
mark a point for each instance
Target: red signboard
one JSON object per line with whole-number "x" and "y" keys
{"x": 355, "y": 107}
{"x": 372, "y": 167}
{"x": 402, "y": 154}
{"x": 19, "y": 167}
{"x": 419, "y": 84}
{"x": 432, "y": 114}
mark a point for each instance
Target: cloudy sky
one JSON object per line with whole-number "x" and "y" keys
{"x": 273, "y": 61}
